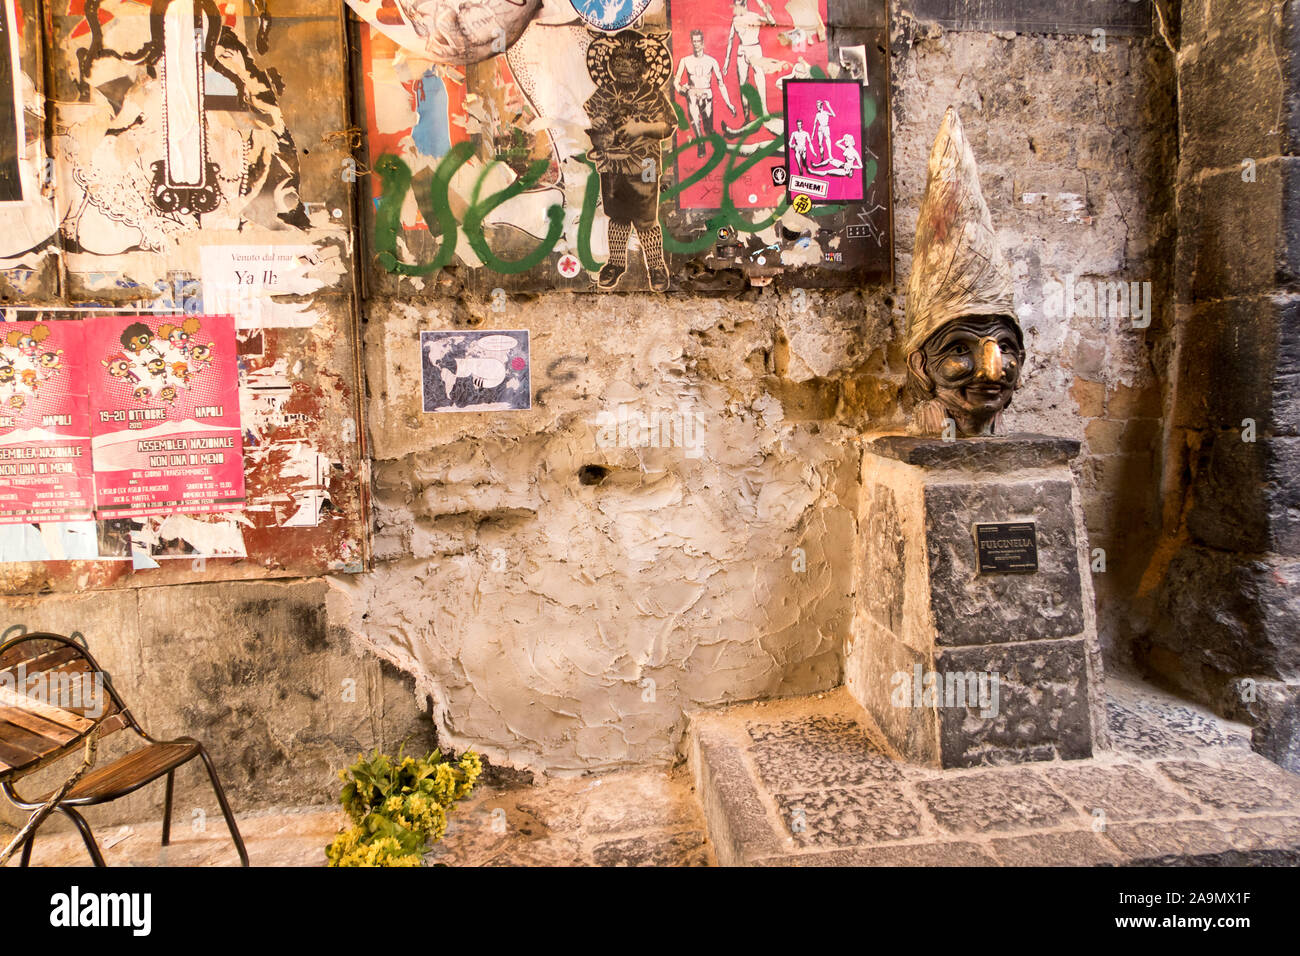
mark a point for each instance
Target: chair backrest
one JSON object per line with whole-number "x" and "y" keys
{"x": 52, "y": 695}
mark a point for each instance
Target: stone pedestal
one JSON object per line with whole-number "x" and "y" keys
{"x": 961, "y": 667}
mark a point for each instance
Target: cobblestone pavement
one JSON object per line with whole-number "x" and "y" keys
{"x": 808, "y": 782}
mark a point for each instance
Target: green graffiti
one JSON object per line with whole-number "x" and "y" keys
{"x": 395, "y": 178}
{"x": 479, "y": 209}
{"x": 396, "y": 183}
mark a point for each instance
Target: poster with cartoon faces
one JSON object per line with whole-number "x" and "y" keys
{"x": 45, "y": 454}
{"x": 165, "y": 394}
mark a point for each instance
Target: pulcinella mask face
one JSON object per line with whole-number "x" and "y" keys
{"x": 965, "y": 348}
{"x": 971, "y": 368}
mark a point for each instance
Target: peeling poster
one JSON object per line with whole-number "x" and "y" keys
{"x": 164, "y": 396}
{"x": 45, "y": 458}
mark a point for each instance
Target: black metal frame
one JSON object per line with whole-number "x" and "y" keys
{"x": 67, "y": 805}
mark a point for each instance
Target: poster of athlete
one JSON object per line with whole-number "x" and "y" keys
{"x": 164, "y": 394}
{"x": 45, "y": 459}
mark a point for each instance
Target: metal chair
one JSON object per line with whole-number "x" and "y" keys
{"x": 37, "y": 729}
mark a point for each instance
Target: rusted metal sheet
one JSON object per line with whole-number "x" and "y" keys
{"x": 163, "y": 193}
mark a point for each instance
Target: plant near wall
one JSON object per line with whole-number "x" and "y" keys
{"x": 399, "y": 806}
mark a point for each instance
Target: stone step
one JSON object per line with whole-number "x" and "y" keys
{"x": 810, "y": 781}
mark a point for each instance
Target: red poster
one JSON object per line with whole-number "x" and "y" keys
{"x": 718, "y": 48}
{"x": 165, "y": 397}
{"x": 45, "y": 457}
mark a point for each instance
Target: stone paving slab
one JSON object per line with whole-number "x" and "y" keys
{"x": 811, "y": 782}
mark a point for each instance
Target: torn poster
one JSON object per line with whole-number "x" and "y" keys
{"x": 243, "y": 280}
{"x": 166, "y": 421}
{"x": 45, "y": 459}
{"x": 476, "y": 371}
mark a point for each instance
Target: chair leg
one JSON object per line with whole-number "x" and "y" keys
{"x": 167, "y": 810}
{"x": 225, "y": 807}
{"x": 27, "y": 849}
{"x": 86, "y": 835}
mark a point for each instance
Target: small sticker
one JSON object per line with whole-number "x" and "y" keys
{"x": 802, "y": 203}
{"x": 778, "y": 175}
{"x": 569, "y": 266}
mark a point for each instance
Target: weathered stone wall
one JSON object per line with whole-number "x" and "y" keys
{"x": 562, "y": 599}
{"x": 1228, "y": 629}
{"x": 281, "y": 698}
{"x": 564, "y": 603}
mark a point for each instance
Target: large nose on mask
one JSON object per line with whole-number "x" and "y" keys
{"x": 990, "y": 360}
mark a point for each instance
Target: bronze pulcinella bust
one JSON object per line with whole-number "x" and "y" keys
{"x": 964, "y": 345}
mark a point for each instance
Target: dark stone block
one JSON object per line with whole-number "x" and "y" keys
{"x": 999, "y": 454}
{"x": 1246, "y": 495}
{"x": 1291, "y": 75}
{"x": 971, "y": 608}
{"x": 995, "y": 800}
{"x": 1239, "y": 358}
{"x": 1041, "y": 710}
{"x": 1240, "y": 238}
{"x": 1231, "y": 616}
{"x": 817, "y": 753}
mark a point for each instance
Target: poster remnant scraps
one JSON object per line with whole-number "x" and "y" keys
{"x": 45, "y": 451}
{"x": 824, "y": 144}
{"x": 245, "y": 281}
{"x": 477, "y": 371}
{"x": 449, "y": 31}
{"x": 166, "y": 417}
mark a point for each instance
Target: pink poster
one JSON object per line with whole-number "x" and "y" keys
{"x": 165, "y": 397}
{"x": 824, "y": 138}
{"x": 45, "y": 457}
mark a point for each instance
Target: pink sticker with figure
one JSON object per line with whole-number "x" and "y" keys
{"x": 45, "y": 458}
{"x": 824, "y": 138}
{"x": 165, "y": 397}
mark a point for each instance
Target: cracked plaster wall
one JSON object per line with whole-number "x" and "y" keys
{"x": 564, "y": 603}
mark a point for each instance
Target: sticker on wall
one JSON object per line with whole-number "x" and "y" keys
{"x": 477, "y": 371}
{"x": 824, "y": 146}
{"x": 164, "y": 394}
{"x": 610, "y": 14}
{"x": 45, "y": 455}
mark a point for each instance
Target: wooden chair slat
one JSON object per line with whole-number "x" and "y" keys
{"x": 63, "y": 718}
{"x": 19, "y": 736}
{"x": 36, "y": 724}
{"x": 42, "y": 662}
{"x": 147, "y": 763}
{"x": 16, "y": 755}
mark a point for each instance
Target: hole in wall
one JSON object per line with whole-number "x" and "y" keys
{"x": 592, "y": 474}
